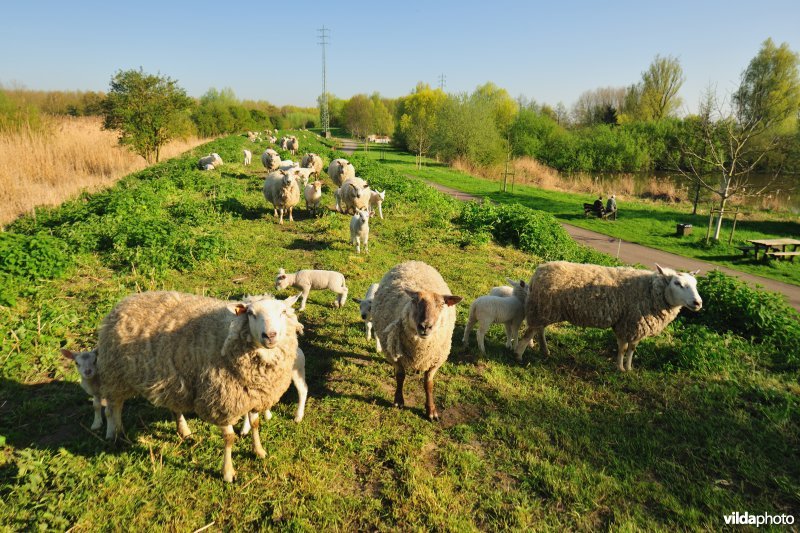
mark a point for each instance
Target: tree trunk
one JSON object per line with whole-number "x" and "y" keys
{"x": 725, "y": 189}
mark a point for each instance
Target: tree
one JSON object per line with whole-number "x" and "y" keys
{"x": 418, "y": 118}
{"x": 465, "y": 128}
{"x": 148, "y": 110}
{"x": 382, "y": 120}
{"x": 656, "y": 96}
{"x": 731, "y": 142}
{"x": 357, "y": 115}
{"x": 596, "y": 106}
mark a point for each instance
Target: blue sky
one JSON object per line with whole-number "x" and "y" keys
{"x": 550, "y": 51}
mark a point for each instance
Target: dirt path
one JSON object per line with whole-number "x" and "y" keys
{"x": 630, "y": 253}
{"x": 348, "y": 145}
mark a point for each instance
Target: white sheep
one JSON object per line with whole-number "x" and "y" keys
{"x": 359, "y": 230}
{"x": 90, "y": 380}
{"x": 292, "y": 144}
{"x": 414, "y": 317}
{"x": 376, "y": 201}
{"x": 209, "y": 162}
{"x": 248, "y": 157}
{"x": 312, "y": 161}
{"x": 341, "y": 169}
{"x": 634, "y": 303}
{"x": 283, "y": 192}
{"x": 270, "y": 159}
{"x": 284, "y": 143}
{"x": 306, "y": 280}
{"x": 365, "y": 308}
{"x": 354, "y": 195}
{"x": 299, "y": 381}
{"x": 220, "y": 360}
{"x": 313, "y": 196}
{"x": 491, "y": 309}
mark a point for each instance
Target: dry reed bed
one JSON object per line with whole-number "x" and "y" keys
{"x": 68, "y": 155}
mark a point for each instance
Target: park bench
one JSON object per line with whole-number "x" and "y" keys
{"x": 746, "y": 249}
{"x": 780, "y": 255}
{"x": 589, "y": 209}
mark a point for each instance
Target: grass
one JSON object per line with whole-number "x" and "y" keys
{"x": 561, "y": 443}
{"x": 644, "y": 222}
{"x": 48, "y": 165}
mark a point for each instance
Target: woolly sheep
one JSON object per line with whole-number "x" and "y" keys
{"x": 218, "y": 359}
{"x": 313, "y": 195}
{"x": 292, "y": 144}
{"x": 354, "y": 195}
{"x": 503, "y": 290}
{"x": 213, "y": 160}
{"x": 272, "y": 139}
{"x": 282, "y": 191}
{"x": 248, "y": 157}
{"x": 376, "y": 201}
{"x": 341, "y": 169}
{"x": 491, "y": 309}
{"x": 634, "y": 303}
{"x": 306, "y": 280}
{"x": 312, "y": 161}
{"x": 270, "y": 159}
{"x": 414, "y": 318}
{"x": 365, "y": 308}
{"x": 359, "y": 230}
{"x": 90, "y": 380}
{"x": 284, "y": 143}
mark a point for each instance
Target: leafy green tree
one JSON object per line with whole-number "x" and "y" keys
{"x": 147, "y": 110}
{"x": 382, "y": 118}
{"x": 466, "y": 128}
{"x": 418, "y": 117}
{"x": 656, "y": 96}
{"x": 357, "y": 114}
{"x": 502, "y": 106}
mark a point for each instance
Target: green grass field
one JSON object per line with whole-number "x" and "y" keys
{"x": 562, "y": 443}
{"x": 643, "y": 222}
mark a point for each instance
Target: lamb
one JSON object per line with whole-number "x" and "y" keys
{"x": 214, "y": 160}
{"x": 292, "y": 144}
{"x": 270, "y": 159}
{"x": 354, "y": 195}
{"x": 221, "y": 360}
{"x": 272, "y": 139}
{"x": 312, "y": 161}
{"x": 634, "y": 303}
{"x": 359, "y": 230}
{"x": 306, "y": 280}
{"x": 208, "y": 167}
{"x": 365, "y": 307}
{"x": 492, "y": 309}
{"x": 90, "y": 380}
{"x": 248, "y": 157}
{"x": 376, "y": 201}
{"x": 313, "y": 195}
{"x": 341, "y": 169}
{"x": 282, "y": 191}
{"x": 414, "y": 318}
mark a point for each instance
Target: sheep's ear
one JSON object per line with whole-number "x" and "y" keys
{"x": 695, "y": 272}
{"x": 281, "y": 271}
{"x": 451, "y": 300}
{"x": 357, "y": 300}
{"x": 522, "y": 283}
{"x": 660, "y": 270}
{"x": 510, "y": 281}
{"x": 66, "y": 353}
{"x": 240, "y": 309}
{"x": 290, "y": 301}
{"x": 414, "y": 295}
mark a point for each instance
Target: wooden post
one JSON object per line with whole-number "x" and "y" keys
{"x": 735, "y": 215}
{"x": 710, "y": 221}
{"x": 696, "y": 198}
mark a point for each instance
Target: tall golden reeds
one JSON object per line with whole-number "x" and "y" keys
{"x": 47, "y": 165}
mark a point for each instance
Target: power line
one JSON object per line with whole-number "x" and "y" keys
{"x": 442, "y": 80}
{"x": 324, "y": 34}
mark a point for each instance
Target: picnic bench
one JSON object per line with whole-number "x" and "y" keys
{"x": 777, "y": 248}
{"x": 589, "y": 209}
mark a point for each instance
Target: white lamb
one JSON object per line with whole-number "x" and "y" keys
{"x": 306, "y": 280}
{"x": 365, "y": 308}
{"x": 209, "y": 162}
{"x": 359, "y": 230}
{"x": 299, "y": 381}
{"x": 248, "y": 156}
{"x": 376, "y": 201}
{"x": 90, "y": 381}
{"x": 490, "y": 309}
{"x": 313, "y": 195}
{"x": 270, "y": 159}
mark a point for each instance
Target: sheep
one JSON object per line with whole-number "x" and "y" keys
{"x": 188, "y": 353}
{"x": 359, "y": 230}
{"x": 212, "y": 160}
{"x": 354, "y": 195}
{"x": 282, "y": 191}
{"x": 341, "y": 169}
{"x": 376, "y": 200}
{"x": 306, "y": 280}
{"x": 292, "y": 144}
{"x": 270, "y": 159}
{"x": 313, "y": 195}
{"x": 502, "y": 290}
{"x": 634, "y": 303}
{"x": 208, "y": 167}
{"x": 287, "y": 164}
{"x": 90, "y": 380}
{"x": 365, "y": 307}
{"x": 284, "y": 143}
{"x": 337, "y": 196}
{"x": 492, "y": 309}
{"x": 414, "y": 317}
{"x": 248, "y": 157}
{"x": 314, "y": 162}
{"x": 253, "y": 136}
{"x": 272, "y": 139}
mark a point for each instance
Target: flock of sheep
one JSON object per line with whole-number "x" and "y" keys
{"x": 228, "y": 360}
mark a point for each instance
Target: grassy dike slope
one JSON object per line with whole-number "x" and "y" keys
{"x": 566, "y": 442}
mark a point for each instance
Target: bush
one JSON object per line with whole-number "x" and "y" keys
{"x": 25, "y": 259}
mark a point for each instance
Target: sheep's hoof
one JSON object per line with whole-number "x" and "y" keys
{"x": 621, "y": 368}
{"x": 229, "y": 476}
{"x": 433, "y": 417}
{"x": 298, "y": 418}
{"x": 97, "y": 425}
{"x": 260, "y": 452}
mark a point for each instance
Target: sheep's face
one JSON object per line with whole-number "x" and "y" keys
{"x": 426, "y": 307}
{"x": 365, "y": 308}
{"x": 681, "y": 289}
{"x": 281, "y": 281}
{"x": 85, "y": 361}
{"x": 379, "y": 196}
{"x": 362, "y": 217}
{"x": 268, "y": 319}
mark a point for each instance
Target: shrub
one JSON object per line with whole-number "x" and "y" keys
{"x": 25, "y": 259}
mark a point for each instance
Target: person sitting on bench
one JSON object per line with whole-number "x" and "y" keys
{"x": 598, "y": 206}
{"x": 611, "y": 207}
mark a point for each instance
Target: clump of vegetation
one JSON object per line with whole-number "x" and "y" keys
{"x": 27, "y": 258}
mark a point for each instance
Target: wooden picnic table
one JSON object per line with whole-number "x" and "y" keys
{"x": 775, "y": 247}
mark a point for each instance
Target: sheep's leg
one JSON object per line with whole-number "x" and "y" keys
{"x": 299, "y": 380}
{"x": 629, "y": 356}
{"x": 228, "y": 437}
{"x": 366, "y": 244}
{"x": 509, "y": 334}
{"x": 380, "y": 211}
{"x": 257, "y": 448}
{"x": 524, "y": 343}
{"x": 378, "y": 345}
{"x": 515, "y": 334}
{"x": 280, "y": 221}
{"x": 622, "y": 347}
{"x": 399, "y": 377}
{"x": 430, "y": 406}
{"x": 483, "y": 328}
{"x": 97, "y": 423}
{"x": 290, "y": 214}
{"x": 542, "y": 342}
{"x": 304, "y": 297}
{"x": 368, "y": 327}
{"x": 246, "y": 424}
{"x": 114, "y": 422}
{"x": 358, "y": 245}
{"x": 183, "y": 427}
{"x": 468, "y": 328}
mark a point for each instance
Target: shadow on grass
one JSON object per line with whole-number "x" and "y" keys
{"x": 235, "y": 207}
{"x": 310, "y": 244}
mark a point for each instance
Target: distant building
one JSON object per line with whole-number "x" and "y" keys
{"x": 379, "y": 139}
